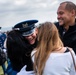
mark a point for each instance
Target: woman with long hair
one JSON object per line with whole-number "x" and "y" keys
{"x": 50, "y": 57}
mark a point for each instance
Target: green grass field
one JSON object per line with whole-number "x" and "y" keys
{"x": 1, "y": 71}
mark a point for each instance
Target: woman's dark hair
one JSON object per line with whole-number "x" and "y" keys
{"x": 18, "y": 50}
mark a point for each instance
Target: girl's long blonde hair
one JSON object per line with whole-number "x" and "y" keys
{"x": 48, "y": 41}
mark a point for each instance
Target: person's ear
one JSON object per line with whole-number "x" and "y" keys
{"x": 73, "y": 12}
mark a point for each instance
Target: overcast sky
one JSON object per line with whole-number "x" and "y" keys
{"x": 14, "y": 11}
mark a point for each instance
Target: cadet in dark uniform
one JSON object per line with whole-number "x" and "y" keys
{"x": 20, "y": 42}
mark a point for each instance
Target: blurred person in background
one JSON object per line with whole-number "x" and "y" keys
{"x": 3, "y": 53}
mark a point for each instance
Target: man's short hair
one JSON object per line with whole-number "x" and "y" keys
{"x": 69, "y": 5}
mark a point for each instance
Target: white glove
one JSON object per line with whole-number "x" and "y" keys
{"x": 24, "y": 72}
